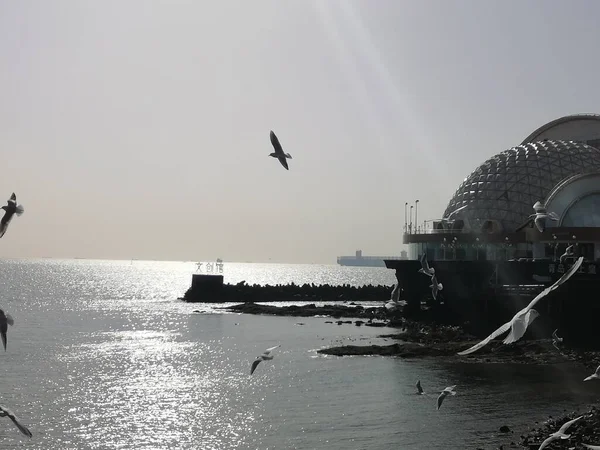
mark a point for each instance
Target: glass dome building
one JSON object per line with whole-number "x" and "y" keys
{"x": 488, "y": 217}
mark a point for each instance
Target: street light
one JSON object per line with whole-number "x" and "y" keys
{"x": 405, "y": 218}
{"x": 410, "y": 223}
{"x": 416, "y": 210}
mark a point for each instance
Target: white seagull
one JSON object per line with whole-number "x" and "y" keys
{"x": 5, "y": 412}
{"x": 425, "y": 269}
{"x": 521, "y": 320}
{"x": 435, "y": 286}
{"x": 594, "y": 376}
{"x": 446, "y": 222}
{"x": 278, "y": 153}
{"x": 11, "y": 209}
{"x": 560, "y": 434}
{"x": 445, "y": 392}
{"x": 394, "y": 300}
{"x": 556, "y": 340}
{"x": 264, "y": 357}
{"x": 419, "y": 388}
{"x": 568, "y": 252}
{"x": 540, "y": 216}
{"x": 592, "y": 447}
{"x": 5, "y": 321}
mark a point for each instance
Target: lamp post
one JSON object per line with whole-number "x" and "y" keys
{"x": 405, "y": 217}
{"x": 410, "y": 220}
{"x": 416, "y": 211}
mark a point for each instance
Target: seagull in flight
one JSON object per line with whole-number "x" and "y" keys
{"x": 278, "y": 153}
{"x": 5, "y": 321}
{"x": 445, "y": 392}
{"x": 11, "y": 208}
{"x": 419, "y": 388}
{"x": 521, "y": 320}
{"x": 594, "y": 376}
{"x": 394, "y": 300}
{"x": 435, "y": 286}
{"x": 264, "y": 357}
{"x": 592, "y": 447}
{"x": 425, "y": 269}
{"x": 446, "y": 222}
{"x": 540, "y": 216}
{"x": 560, "y": 434}
{"x": 5, "y": 412}
{"x": 568, "y": 252}
{"x": 556, "y": 340}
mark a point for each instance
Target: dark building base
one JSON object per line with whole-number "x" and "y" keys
{"x": 482, "y": 295}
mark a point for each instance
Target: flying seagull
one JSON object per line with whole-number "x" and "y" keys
{"x": 540, "y": 216}
{"x": 556, "y": 340}
{"x": 5, "y": 412}
{"x": 264, "y": 357}
{"x": 560, "y": 434}
{"x": 446, "y": 220}
{"x": 521, "y": 320}
{"x": 592, "y": 447}
{"x": 278, "y": 153}
{"x": 568, "y": 252}
{"x": 419, "y": 388}
{"x": 435, "y": 286}
{"x": 5, "y": 321}
{"x": 394, "y": 300}
{"x": 11, "y": 209}
{"x": 594, "y": 376}
{"x": 445, "y": 392}
{"x": 425, "y": 269}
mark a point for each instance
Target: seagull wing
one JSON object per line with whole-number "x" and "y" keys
{"x": 597, "y": 371}
{"x": 22, "y": 428}
{"x": 567, "y": 425}
{"x": 269, "y": 350}
{"x": 254, "y": 365}
{"x": 454, "y": 212}
{"x": 592, "y": 447}
{"x": 396, "y": 293}
{"x": 568, "y": 274}
{"x": 10, "y": 320}
{"x": 554, "y": 336}
{"x": 441, "y": 399}
{"x": 284, "y": 163}
{"x": 553, "y": 216}
{"x": 547, "y": 442}
{"x": 13, "y": 198}
{"x": 425, "y": 264}
{"x": 419, "y": 388}
{"x": 276, "y": 145}
{"x": 503, "y": 329}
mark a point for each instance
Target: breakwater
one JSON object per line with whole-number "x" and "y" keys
{"x": 211, "y": 289}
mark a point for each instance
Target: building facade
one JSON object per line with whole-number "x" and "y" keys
{"x": 488, "y": 217}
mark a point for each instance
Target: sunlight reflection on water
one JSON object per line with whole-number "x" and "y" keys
{"x": 102, "y": 355}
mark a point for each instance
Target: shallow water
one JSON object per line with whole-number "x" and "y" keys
{"x": 102, "y": 355}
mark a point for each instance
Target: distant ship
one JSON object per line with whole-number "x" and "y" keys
{"x": 367, "y": 261}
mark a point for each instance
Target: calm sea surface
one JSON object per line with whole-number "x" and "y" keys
{"x": 104, "y": 356}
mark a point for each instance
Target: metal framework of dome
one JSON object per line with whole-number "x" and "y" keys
{"x": 505, "y": 187}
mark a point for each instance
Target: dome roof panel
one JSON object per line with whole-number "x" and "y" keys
{"x": 505, "y": 187}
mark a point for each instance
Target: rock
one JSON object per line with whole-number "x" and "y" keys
{"x": 504, "y": 429}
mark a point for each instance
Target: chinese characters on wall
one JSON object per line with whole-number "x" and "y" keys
{"x": 210, "y": 267}
{"x": 561, "y": 268}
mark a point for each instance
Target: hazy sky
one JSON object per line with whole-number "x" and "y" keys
{"x": 140, "y": 128}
